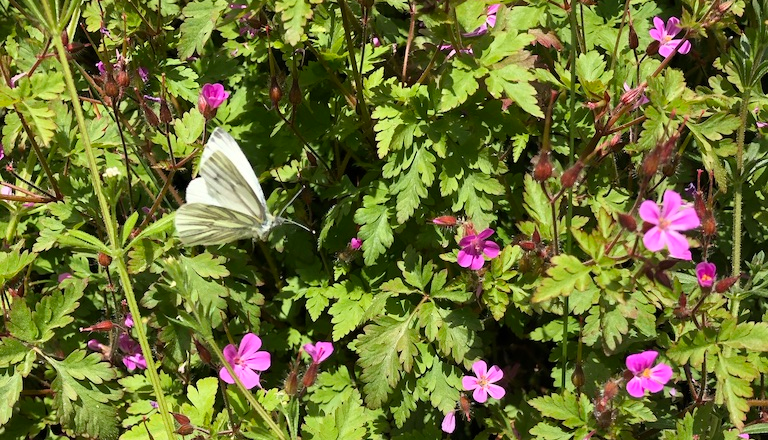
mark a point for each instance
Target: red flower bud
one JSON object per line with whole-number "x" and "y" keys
{"x": 203, "y": 352}
{"x": 181, "y": 418}
{"x": 165, "y": 112}
{"x": 445, "y": 220}
{"x": 123, "y": 80}
{"x": 569, "y": 177}
{"x": 628, "y": 222}
{"x": 310, "y": 376}
{"x": 709, "y": 225}
{"x": 104, "y": 259}
{"x": 275, "y": 92}
{"x": 725, "y": 284}
{"x": 103, "y": 326}
{"x": 536, "y": 237}
{"x": 543, "y": 169}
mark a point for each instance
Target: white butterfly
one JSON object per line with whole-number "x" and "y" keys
{"x": 226, "y": 202}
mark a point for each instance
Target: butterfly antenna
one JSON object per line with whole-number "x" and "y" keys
{"x": 293, "y": 199}
{"x": 286, "y": 220}
{"x": 289, "y": 221}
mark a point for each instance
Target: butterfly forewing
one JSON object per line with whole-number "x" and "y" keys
{"x": 221, "y": 141}
{"x": 228, "y": 187}
{"x": 200, "y": 224}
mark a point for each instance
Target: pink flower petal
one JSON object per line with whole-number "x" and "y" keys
{"x": 491, "y": 249}
{"x": 678, "y": 245}
{"x": 248, "y": 345}
{"x": 225, "y": 376}
{"x": 661, "y": 373}
{"x": 248, "y": 377}
{"x": 480, "y": 395}
{"x": 665, "y": 50}
{"x": 635, "y": 388}
{"x": 496, "y": 391}
{"x": 657, "y": 33}
{"x": 494, "y": 374}
{"x": 672, "y": 27}
{"x": 477, "y": 262}
{"x": 649, "y": 212}
{"x": 654, "y": 239}
{"x": 469, "y": 383}
{"x": 466, "y": 241}
{"x": 480, "y": 368}
{"x": 259, "y": 361}
{"x": 464, "y": 258}
{"x": 670, "y": 204}
{"x": 685, "y": 48}
{"x": 485, "y": 234}
{"x": 449, "y": 422}
{"x": 637, "y": 363}
{"x": 230, "y": 353}
{"x": 684, "y": 219}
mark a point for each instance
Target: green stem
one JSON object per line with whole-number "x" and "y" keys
{"x": 110, "y": 225}
{"x": 737, "y": 197}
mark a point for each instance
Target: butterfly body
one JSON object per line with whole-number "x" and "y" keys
{"x": 226, "y": 202}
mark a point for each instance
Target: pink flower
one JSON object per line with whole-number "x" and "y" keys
{"x": 473, "y": 247}
{"x": 705, "y": 272}
{"x": 6, "y": 190}
{"x": 355, "y": 244}
{"x": 639, "y": 101}
{"x": 449, "y": 422}
{"x": 143, "y": 74}
{"x": 743, "y": 435}
{"x": 761, "y": 124}
{"x": 128, "y": 320}
{"x": 214, "y": 94}
{"x": 319, "y": 351}
{"x": 132, "y": 357}
{"x": 245, "y": 361}
{"x": 482, "y": 384}
{"x": 95, "y": 345}
{"x": 669, "y": 221}
{"x": 646, "y": 378}
{"x": 467, "y": 50}
{"x": 153, "y": 404}
{"x": 490, "y": 21}
{"x": 64, "y": 276}
{"x": 100, "y": 66}
{"x": 665, "y": 35}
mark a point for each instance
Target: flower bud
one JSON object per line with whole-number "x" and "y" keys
{"x": 543, "y": 169}
{"x": 181, "y": 418}
{"x": 633, "y": 40}
{"x": 310, "y": 376}
{"x": 536, "y": 237}
{"x": 445, "y": 220}
{"x": 294, "y": 96}
{"x": 651, "y": 163}
{"x": 663, "y": 279}
{"x": 151, "y": 116}
{"x": 465, "y": 406}
{"x": 291, "y": 383}
{"x": 103, "y": 326}
{"x": 571, "y": 175}
{"x": 275, "y": 92}
{"x": 203, "y": 352}
{"x": 104, "y": 259}
{"x": 527, "y": 245}
{"x": 653, "y": 48}
{"x": 709, "y": 225}
{"x": 667, "y": 264}
{"x": 577, "y": 378}
{"x": 185, "y": 429}
{"x": 165, "y": 112}
{"x": 628, "y": 222}
{"x": 111, "y": 88}
{"x": 725, "y": 284}
{"x": 123, "y": 80}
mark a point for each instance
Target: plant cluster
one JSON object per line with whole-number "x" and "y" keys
{"x": 535, "y": 219}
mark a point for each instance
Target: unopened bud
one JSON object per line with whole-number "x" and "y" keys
{"x": 104, "y": 259}
{"x": 571, "y": 175}
{"x": 181, "y": 418}
{"x": 111, "y": 88}
{"x": 667, "y": 264}
{"x": 465, "y": 406}
{"x": 628, "y": 222}
{"x": 527, "y": 245}
{"x": 651, "y": 163}
{"x": 536, "y": 237}
{"x": 294, "y": 96}
{"x": 185, "y": 429}
{"x": 310, "y": 376}
{"x": 709, "y": 225}
{"x": 165, "y": 112}
{"x": 633, "y": 40}
{"x": 543, "y": 169}
{"x": 291, "y": 383}
{"x": 725, "y": 284}
{"x": 275, "y": 92}
{"x": 663, "y": 278}
{"x": 203, "y": 352}
{"x": 577, "y": 378}
{"x": 123, "y": 80}
{"x": 445, "y": 220}
{"x": 103, "y": 326}
{"x": 669, "y": 168}
{"x": 150, "y": 115}
{"x": 653, "y": 48}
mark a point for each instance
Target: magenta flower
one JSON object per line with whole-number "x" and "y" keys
{"x": 490, "y": 21}
{"x": 483, "y": 383}
{"x": 319, "y": 351}
{"x": 761, "y": 124}
{"x": 213, "y": 95}
{"x": 95, "y": 345}
{"x": 143, "y": 74}
{"x": 128, "y": 320}
{"x": 64, "y": 276}
{"x": 638, "y": 101}
{"x": 355, "y": 244}
{"x": 647, "y": 377}
{"x": 705, "y": 273}
{"x": 100, "y": 66}
{"x": 668, "y": 222}
{"x": 665, "y": 35}
{"x": 245, "y": 361}
{"x": 449, "y": 422}
{"x": 132, "y": 357}
{"x": 473, "y": 247}
{"x": 153, "y": 404}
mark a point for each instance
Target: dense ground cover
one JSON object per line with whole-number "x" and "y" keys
{"x": 479, "y": 220}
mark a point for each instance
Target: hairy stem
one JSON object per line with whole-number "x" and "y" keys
{"x": 737, "y": 197}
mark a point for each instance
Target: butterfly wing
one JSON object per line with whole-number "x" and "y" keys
{"x": 221, "y": 141}
{"x": 203, "y": 224}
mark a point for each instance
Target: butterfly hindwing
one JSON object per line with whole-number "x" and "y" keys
{"x": 201, "y": 224}
{"x": 229, "y": 188}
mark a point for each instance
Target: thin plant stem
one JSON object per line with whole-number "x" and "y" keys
{"x": 411, "y": 32}
{"x": 110, "y": 225}
{"x": 738, "y": 197}
{"x": 40, "y": 157}
{"x": 363, "y": 107}
{"x": 125, "y": 152}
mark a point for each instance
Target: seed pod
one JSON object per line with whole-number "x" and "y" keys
{"x": 633, "y": 40}
{"x": 628, "y": 222}
{"x": 543, "y": 169}
{"x": 294, "y": 96}
{"x": 667, "y": 264}
{"x": 651, "y": 163}
{"x": 181, "y": 418}
{"x": 150, "y": 115}
{"x": 165, "y": 112}
{"x": 203, "y": 352}
{"x": 725, "y": 284}
{"x": 465, "y": 406}
{"x": 663, "y": 278}
{"x": 577, "y": 378}
{"x": 185, "y": 429}
{"x": 653, "y": 48}
{"x": 275, "y": 92}
{"x": 709, "y": 225}
{"x": 111, "y": 88}
{"x": 569, "y": 177}
{"x": 104, "y": 259}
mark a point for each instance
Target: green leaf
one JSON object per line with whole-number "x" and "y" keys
{"x": 82, "y": 398}
{"x": 12, "y": 263}
{"x": 386, "y": 349}
{"x": 457, "y": 85}
{"x": 348, "y": 422}
{"x": 10, "y": 389}
{"x": 512, "y": 81}
{"x": 202, "y": 397}
{"x": 731, "y": 390}
{"x": 53, "y": 310}
{"x": 200, "y": 19}
{"x": 375, "y": 230}
{"x": 545, "y": 431}
{"x": 412, "y": 186}
{"x": 752, "y": 336}
{"x": 347, "y": 315}
{"x": 565, "y": 408}
{"x": 566, "y": 274}
{"x": 208, "y": 266}
{"x": 440, "y": 383}
{"x": 11, "y": 352}
{"x": 21, "y": 324}
{"x": 294, "y": 15}
{"x": 189, "y": 128}
{"x": 454, "y": 330}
